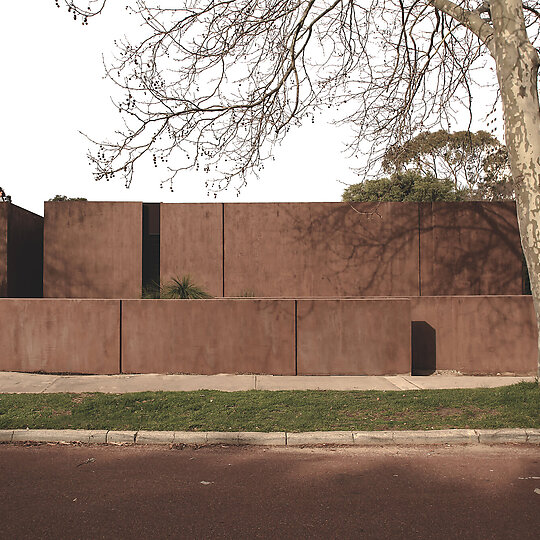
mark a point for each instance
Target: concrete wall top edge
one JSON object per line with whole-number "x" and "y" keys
{"x": 475, "y": 296}
{"x": 16, "y": 299}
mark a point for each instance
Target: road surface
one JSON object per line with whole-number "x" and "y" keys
{"x": 90, "y": 492}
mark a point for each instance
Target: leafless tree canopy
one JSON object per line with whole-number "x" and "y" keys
{"x": 215, "y": 84}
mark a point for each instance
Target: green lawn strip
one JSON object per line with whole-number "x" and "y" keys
{"x": 256, "y": 410}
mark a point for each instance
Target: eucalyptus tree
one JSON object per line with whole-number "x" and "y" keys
{"x": 474, "y": 162}
{"x": 214, "y": 84}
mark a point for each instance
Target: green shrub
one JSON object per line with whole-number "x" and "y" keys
{"x": 403, "y": 186}
{"x": 61, "y": 198}
{"x": 176, "y": 288}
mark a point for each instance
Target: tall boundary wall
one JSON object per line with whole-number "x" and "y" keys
{"x": 95, "y": 249}
{"x": 305, "y": 336}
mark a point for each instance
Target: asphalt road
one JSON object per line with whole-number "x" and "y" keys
{"x": 64, "y": 491}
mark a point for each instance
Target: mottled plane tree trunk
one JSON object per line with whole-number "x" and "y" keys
{"x": 504, "y": 33}
{"x": 517, "y": 72}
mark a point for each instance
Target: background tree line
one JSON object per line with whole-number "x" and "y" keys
{"x": 440, "y": 166}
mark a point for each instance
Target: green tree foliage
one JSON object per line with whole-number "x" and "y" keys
{"x": 58, "y": 198}
{"x": 404, "y": 186}
{"x": 477, "y": 162}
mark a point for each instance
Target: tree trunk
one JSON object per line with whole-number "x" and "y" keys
{"x": 517, "y": 70}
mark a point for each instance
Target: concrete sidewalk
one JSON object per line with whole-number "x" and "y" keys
{"x": 14, "y": 382}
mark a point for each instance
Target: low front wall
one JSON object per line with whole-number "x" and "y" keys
{"x": 60, "y": 336}
{"x": 475, "y": 335}
{"x": 353, "y": 336}
{"x": 208, "y": 336}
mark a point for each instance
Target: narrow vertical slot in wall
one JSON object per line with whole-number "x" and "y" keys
{"x": 150, "y": 245}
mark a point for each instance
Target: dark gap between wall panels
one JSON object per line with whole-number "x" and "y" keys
{"x": 150, "y": 244}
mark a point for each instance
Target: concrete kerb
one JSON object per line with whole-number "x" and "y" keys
{"x": 347, "y": 438}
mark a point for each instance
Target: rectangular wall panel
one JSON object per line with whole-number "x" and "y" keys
{"x": 470, "y": 248}
{"x": 60, "y": 335}
{"x": 321, "y": 249}
{"x": 486, "y": 335}
{"x": 191, "y": 239}
{"x": 208, "y": 336}
{"x": 353, "y": 337}
{"x": 93, "y": 249}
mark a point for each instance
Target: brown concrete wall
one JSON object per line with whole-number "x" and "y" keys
{"x": 470, "y": 248}
{"x": 208, "y": 336}
{"x": 4, "y": 208}
{"x": 59, "y": 335}
{"x": 475, "y": 334}
{"x": 321, "y": 249}
{"x": 353, "y": 337}
{"x": 93, "y": 249}
{"x": 25, "y": 254}
{"x": 191, "y": 240}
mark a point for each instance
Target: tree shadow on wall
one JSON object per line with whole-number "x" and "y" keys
{"x": 470, "y": 248}
{"x": 401, "y": 249}
{"x": 361, "y": 249}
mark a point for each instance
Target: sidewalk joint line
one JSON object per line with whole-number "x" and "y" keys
{"x": 411, "y": 382}
{"x": 50, "y": 384}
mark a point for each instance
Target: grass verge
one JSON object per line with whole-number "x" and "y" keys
{"x": 256, "y": 410}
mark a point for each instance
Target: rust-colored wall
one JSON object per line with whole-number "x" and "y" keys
{"x": 288, "y": 249}
{"x": 475, "y": 334}
{"x": 93, "y": 249}
{"x": 353, "y": 337}
{"x": 321, "y": 249}
{"x": 470, "y": 248}
{"x": 208, "y": 336}
{"x": 3, "y": 248}
{"x": 24, "y": 253}
{"x": 60, "y": 335}
{"x": 191, "y": 240}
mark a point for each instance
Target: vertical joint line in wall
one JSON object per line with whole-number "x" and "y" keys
{"x": 120, "y": 347}
{"x": 296, "y": 337}
{"x": 419, "y": 248}
{"x": 223, "y": 249}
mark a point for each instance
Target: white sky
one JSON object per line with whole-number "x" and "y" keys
{"x": 53, "y": 87}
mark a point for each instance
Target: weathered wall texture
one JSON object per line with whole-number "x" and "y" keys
{"x": 4, "y": 208}
{"x": 475, "y": 334}
{"x": 288, "y": 249}
{"x": 321, "y": 249}
{"x": 469, "y": 248}
{"x": 471, "y": 334}
{"x": 60, "y": 335}
{"x": 208, "y": 336}
{"x": 191, "y": 239}
{"x": 93, "y": 250}
{"x": 21, "y": 252}
{"x": 353, "y": 337}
